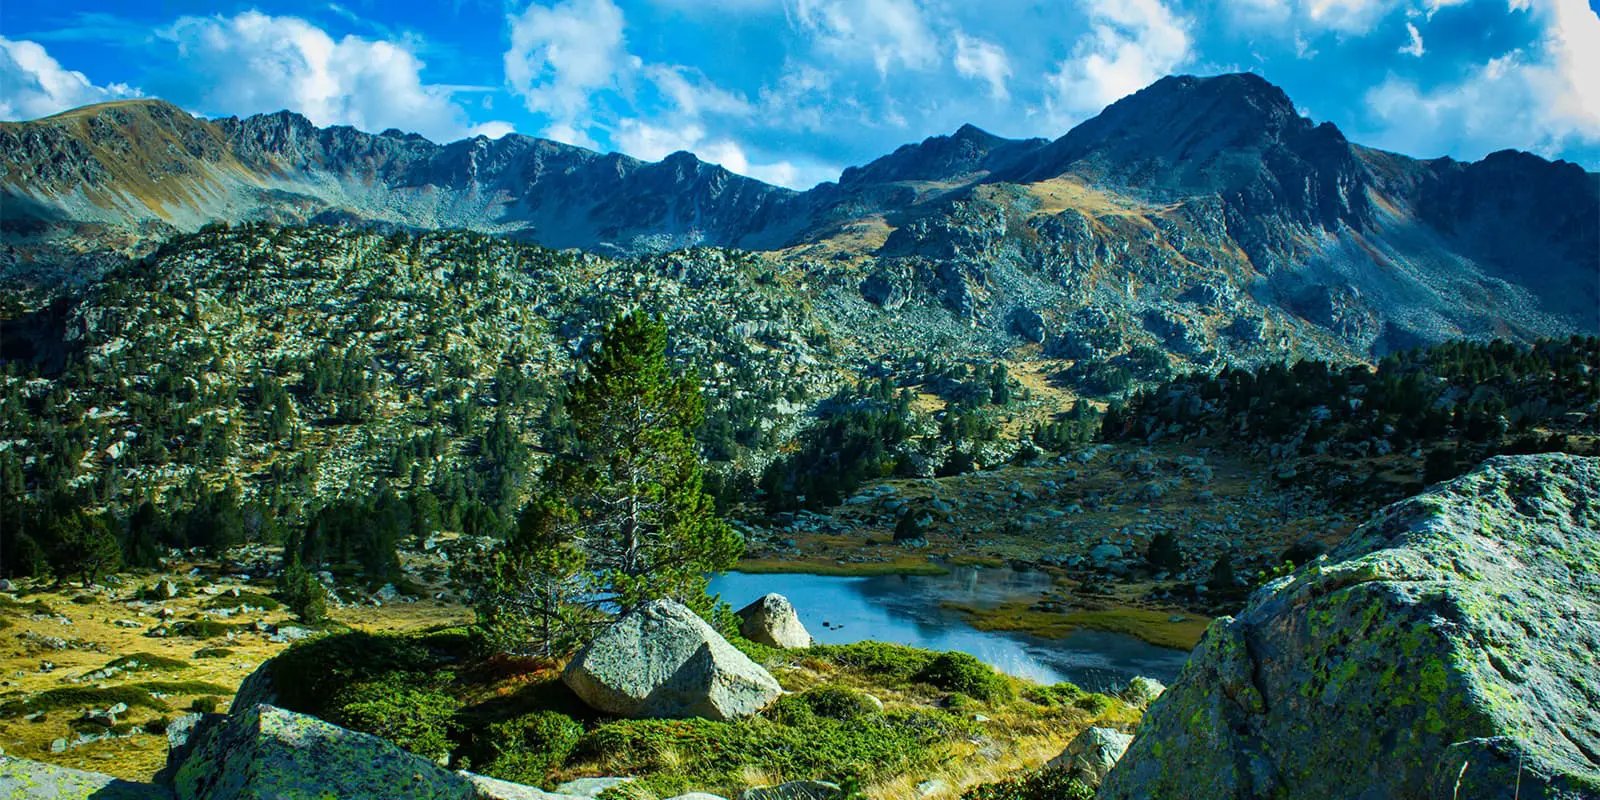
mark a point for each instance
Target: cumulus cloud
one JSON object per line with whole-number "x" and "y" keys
{"x": 561, "y": 56}
{"x": 253, "y": 62}
{"x": 36, "y": 85}
{"x": 1414, "y": 47}
{"x": 654, "y": 142}
{"x": 1543, "y": 97}
{"x": 893, "y": 33}
{"x": 1130, "y": 44}
{"x": 984, "y": 61}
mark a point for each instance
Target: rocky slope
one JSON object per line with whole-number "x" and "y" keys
{"x": 1445, "y": 650}
{"x": 1201, "y": 217}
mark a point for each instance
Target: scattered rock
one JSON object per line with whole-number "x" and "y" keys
{"x": 933, "y": 787}
{"x": 1092, "y": 754}
{"x": 772, "y": 621}
{"x": 661, "y": 660}
{"x": 1424, "y": 658}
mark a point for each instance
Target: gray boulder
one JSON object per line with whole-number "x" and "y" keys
{"x": 266, "y": 753}
{"x": 495, "y": 789}
{"x": 21, "y": 778}
{"x": 1092, "y": 754}
{"x": 591, "y": 787}
{"x": 255, "y": 689}
{"x": 1446, "y": 649}
{"x": 794, "y": 790}
{"x": 772, "y": 621}
{"x": 661, "y": 660}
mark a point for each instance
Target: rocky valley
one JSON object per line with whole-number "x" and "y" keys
{"x": 337, "y": 424}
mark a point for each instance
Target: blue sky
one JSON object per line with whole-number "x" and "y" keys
{"x": 792, "y": 91}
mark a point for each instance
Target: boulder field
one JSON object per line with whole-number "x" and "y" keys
{"x": 1450, "y": 648}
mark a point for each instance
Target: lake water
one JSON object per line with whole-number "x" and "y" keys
{"x": 905, "y": 609}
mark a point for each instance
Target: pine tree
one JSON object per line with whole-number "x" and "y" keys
{"x": 630, "y": 495}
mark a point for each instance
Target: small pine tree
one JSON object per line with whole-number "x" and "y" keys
{"x": 1163, "y": 553}
{"x": 631, "y": 495}
{"x": 83, "y": 546}
{"x": 303, "y": 593}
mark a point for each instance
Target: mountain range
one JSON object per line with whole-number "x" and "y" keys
{"x": 1202, "y": 216}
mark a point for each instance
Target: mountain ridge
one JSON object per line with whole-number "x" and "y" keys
{"x": 1201, "y": 215}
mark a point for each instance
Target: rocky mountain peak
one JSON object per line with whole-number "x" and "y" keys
{"x": 1236, "y": 135}
{"x": 969, "y": 152}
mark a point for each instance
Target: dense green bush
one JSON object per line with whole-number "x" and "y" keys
{"x": 309, "y": 675}
{"x": 1044, "y": 784}
{"x": 890, "y": 663}
{"x": 401, "y": 707}
{"x": 837, "y": 702}
{"x": 1053, "y": 696}
{"x": 525, "y": 749}
{"x": 959, "y": 672}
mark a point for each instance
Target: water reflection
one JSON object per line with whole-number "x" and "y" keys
{"x": 905, "y": 609}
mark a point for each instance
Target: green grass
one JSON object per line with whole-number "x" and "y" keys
{"x": 1155, "y": 627}
{"x": 205, "y": 628}
{"x": 76, "y": 697}
{"x": 139, "y": 662}
{"x": 250, "y": 599}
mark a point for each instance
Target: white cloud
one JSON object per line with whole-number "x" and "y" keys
{"x": 1346, "y": 16}
{"x": 252, "y": 62}
{"x": 691, "y": 94}
{"x": 1291, "y": 17}
{"x": 1542, "y": 98}
{"x": 493, "y": 130}
{"x": 654, "y": 142}
{"x": 893, "y": 32}
{"x": 1130, "y": 45}
{"x": 1414, "y": 47}
{"x": 983, "y": 60}
{"x": 35, "y": 84}
{"x": 563, "y": 55}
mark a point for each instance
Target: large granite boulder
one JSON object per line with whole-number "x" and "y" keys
{"x": 35, "y": 780}
{"x": 1092, "y": 754}
{"x": 662, "y": 660}
{"x": 267, "y": 753}
{"x": 1445, "y": 650}
{"x": 772, "y": 621}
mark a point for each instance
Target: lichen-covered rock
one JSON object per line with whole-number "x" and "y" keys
{"x": 34, "y": 780}
{"x": 183, "y": 734}
{"x": 1092, "y": 754}
{"x": 772, "y": 621}
{"x": 661, "y": 660}
{"x": 794, "y": 790}
{"x": 1446, "y": 649}
{"x": 267, "y": 753}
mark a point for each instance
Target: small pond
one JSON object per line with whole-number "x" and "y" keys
{"x": 905, "y": 609}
